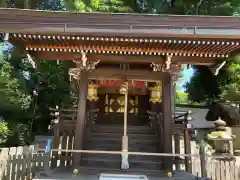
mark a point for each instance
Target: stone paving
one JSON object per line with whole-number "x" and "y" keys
{"x": 67, "y": 175}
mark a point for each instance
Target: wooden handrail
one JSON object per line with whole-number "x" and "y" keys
{"x": 181, "y": 115}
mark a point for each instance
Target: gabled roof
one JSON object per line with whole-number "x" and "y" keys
{"x": 64, "y": 35}
{"x": 33, "y": 21}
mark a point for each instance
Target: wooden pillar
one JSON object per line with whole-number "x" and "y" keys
{"x": 81, "y": 115}
{"x": 167, "y": 119}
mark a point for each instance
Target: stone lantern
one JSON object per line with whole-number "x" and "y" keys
{"x": 124, "y": 88}
{"x": 221, "y": 140}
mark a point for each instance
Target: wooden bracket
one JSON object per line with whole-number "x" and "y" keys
{"x": 160, "y": 67}
{"x": 31, "y": 61}
{"x": 168, "y": 62}
{"x": 83, "y": 64}
{"x": 156, "y": 67}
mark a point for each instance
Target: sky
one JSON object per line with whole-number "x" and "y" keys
{"x": 187, "y": 74}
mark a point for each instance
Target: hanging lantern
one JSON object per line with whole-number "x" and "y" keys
{"x": 124, "y": 88}
{"x": 156, "y": 93}
{"x": 92, "y": 92}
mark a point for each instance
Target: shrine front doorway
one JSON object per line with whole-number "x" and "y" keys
{"x": 111, "y": 104}
{"x": 111, "y": 109}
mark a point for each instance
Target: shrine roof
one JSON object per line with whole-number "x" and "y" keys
{"x": 50, "y": 35}
{"x": 34, "y": 21}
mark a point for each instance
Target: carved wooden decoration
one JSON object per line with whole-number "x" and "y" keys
{"x": 83, "y": 64}
{"x": 156, "y": 67}
{"x": 168, "y": 62}
{"x": 167, "y": 67}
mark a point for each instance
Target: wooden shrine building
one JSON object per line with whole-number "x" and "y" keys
{"x": 138, "y": 54}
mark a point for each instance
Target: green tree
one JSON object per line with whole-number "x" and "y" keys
{"x": 190, "y": 7}
{"x": 181, "y": 98}
{"x": 98, "y": 5}
{"x": 33, "y": 4}
{"x": 18, "y": 80}
{"x": 231, "y": 89}
{"x": 204, "y": 86}
{"x": 15, "y": 102}
{"x": 53, "y": 87}
{"x": 11, "y": 94}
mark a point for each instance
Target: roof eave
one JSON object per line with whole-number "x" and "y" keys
{"x": 120, "y": 30}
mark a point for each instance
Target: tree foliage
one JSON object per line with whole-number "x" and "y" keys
{"x": 190, "y": 7}
{"x": 33, "y": 4}
{"x": 231, "y": 89}
{"x": 11, "y": 94}
{"x": 98, "y": 5}
{"x": 181, "y": 98}
{"x": 204, "y": 86}
{"x": 22, "y": 110}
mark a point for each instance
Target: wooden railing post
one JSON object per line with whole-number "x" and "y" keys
{"x": 56, "y": 136}
{"x": 156, "y": 125}
{"x": 202, "y": 158}
{"x": 152, "y": 120}
{"x": 187, "y": 142}
{"x": 4, "y": 157}
{"x": 177, "y": 150}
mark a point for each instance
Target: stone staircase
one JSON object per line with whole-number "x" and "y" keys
{"x": 109, "y": 138}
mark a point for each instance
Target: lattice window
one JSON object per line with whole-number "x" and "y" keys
{"x": 133, "y": 104}
{"x": 116, "y": 104}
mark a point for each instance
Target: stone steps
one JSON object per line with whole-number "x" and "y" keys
{"x": 117, "y": 140}
{"x": 119, "y": 135}
{"x": 131, "y": 147}
{"x": 119, "y": 129}
{"x": 109, "y": 138}
{"x": 118, "y": 157}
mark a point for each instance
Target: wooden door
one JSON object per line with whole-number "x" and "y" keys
{"x": 112, "y": 109}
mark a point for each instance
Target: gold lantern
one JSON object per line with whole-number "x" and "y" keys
{"x": 156, "y": 93}
{"x": 92, "y": 92}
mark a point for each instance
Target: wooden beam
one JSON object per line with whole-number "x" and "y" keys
{"x": 102, "y": 57}
{"x": 193, "y": 60}
{"x": 117, "y": 74}
{"x": 107, "y": 58}
{"x": 131, "y": 91}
